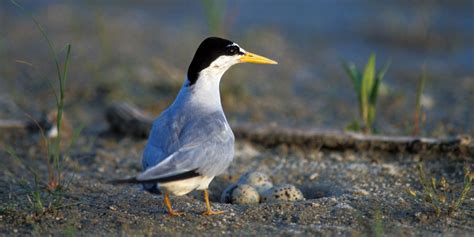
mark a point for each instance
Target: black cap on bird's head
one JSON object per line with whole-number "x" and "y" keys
{"x": 213, "y": 49}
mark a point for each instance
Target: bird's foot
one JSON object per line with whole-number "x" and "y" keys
{"x": 171, "y": 212}
{"x": 211, "y": 212}
{"x": 175, "y": 213}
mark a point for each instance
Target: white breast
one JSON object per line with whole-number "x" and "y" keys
{"x": 185, "y": 186}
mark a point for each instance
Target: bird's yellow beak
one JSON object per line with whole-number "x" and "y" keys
{"x": 254, "y": 58}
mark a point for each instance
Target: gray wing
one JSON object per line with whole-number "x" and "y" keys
{"x": 163, "y": 139}
{"x": 206, "y": 145}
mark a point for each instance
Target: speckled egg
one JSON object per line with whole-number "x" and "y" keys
{"x": 284, "y": 192}
{"x": 258, "y": 180}
{"x": 245, "y": 194}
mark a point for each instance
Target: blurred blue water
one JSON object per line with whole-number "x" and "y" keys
{"x": 350, "y": 28}
{"x": 322, "y": 34}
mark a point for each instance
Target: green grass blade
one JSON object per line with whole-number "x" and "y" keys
{"x": 420, "y": 88}
{"x": 354, "y": 75}
{"x": 374, "y": 92}
{"x": 419, "y": 93}
{"x": 381, "y": 73}
{"x": 66, "y": 63}
{"x": 465, "y": 190}
{"x": 371, "y": 116}
{"x": 366, "y": 88}
{"x": 45, "y": 35}
{"x": 62, "y": 82}
{"x": 356, "y": 79}
{"x": 373, "y": 102}
{"x": 378, "y": 80}
{"x": 369, "y": 75}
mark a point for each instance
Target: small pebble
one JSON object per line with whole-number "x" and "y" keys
{"x": 245, "y": 194}
{"x": 360, "y": 192}
{"x": 285, "y": 192}
{"x": 313, "y": 176}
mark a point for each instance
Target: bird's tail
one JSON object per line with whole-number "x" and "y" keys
{"x": 148, "y": 186}
{"x": 132, "y": 180}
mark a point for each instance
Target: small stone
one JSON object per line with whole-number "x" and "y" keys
{"x": 258, "y": 180}
{"x": 360, "y": 192}
{"x": 284, "y": 192}
{"x": 313, "y": 176}
{"x": 245, "y": 194}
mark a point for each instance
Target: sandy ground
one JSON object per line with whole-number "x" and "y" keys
{"x": 343, "y": 190}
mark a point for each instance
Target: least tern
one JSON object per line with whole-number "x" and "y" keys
{"x": 191, "y": 142}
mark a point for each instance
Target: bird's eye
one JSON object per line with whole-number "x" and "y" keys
{"x": 232, "y": 50}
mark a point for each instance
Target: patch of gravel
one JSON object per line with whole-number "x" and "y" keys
{"x": 343, "y": 191}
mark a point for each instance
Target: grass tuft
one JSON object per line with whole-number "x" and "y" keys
{"x": 36, "y": 196}
{"x": 418, "y": 118}
{"x": 366, "y": 85}
{"x": 435, "y": 192}
{"x": 54, "y": 143}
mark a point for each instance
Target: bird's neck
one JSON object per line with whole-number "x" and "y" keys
{"x": 203, "y": 94}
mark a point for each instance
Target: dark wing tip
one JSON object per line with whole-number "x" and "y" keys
{"x": 134, "y": 180}
{"x": 182, "y": 176}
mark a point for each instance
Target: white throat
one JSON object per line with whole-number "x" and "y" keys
{"x": 204, "y": 93}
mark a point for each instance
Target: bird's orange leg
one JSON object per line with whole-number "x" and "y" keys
{"x": 171, "y": 212}
{"x": 209, "y": 211}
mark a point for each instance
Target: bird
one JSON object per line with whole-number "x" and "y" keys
{"x": 191, "y": 141}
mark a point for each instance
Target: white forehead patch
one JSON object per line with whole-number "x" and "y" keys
{"x": 233, "y": 44}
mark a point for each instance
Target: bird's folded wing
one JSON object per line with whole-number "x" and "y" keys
{"x": 208, "y": 149}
